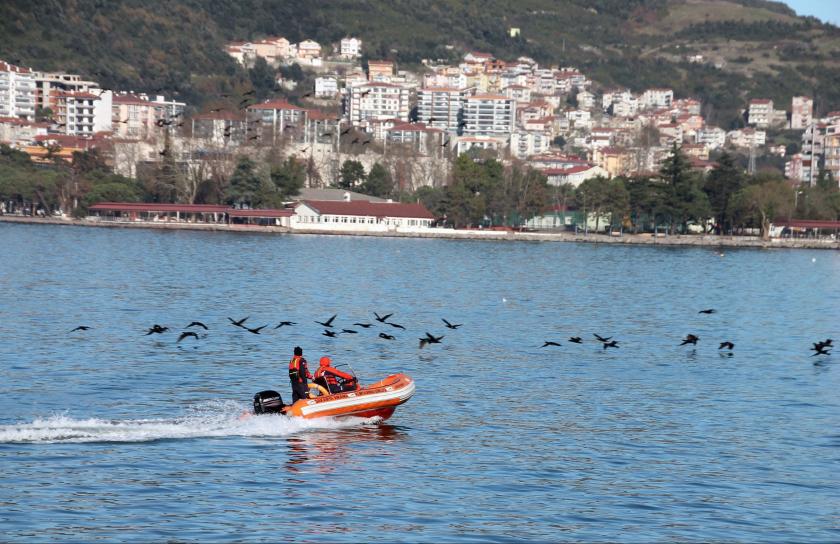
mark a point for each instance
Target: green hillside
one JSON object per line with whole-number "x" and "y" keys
{"x": 760, "y": 48}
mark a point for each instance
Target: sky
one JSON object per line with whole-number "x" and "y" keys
{"x": 827, "y": 10}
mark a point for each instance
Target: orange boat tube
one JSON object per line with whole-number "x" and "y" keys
{"x": 379, "y": 399}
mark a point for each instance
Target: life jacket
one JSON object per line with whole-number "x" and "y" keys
{"x": 297, "y": 369}
{"x": 325, "y": 372}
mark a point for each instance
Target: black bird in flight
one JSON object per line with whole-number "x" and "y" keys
{"x": 709, "y": 311}
{"x": 285, "y": 324}
{"x": 328, "y": 322}
{"x": 254, "y": 137}
{"x": 823, "y": 350}
{"x": 256, "y": 330}
{"x": 386, "y": 336}
{"x": 550, "y": 343}
{"x": 451, "y": 325}
{"x": 820, "y": 345}
{"x": 727, "y": 345}
{"x": 186, "y": 334}
{"x": 81, "y": 328}
{"x": 331, "y": 334}
{"x": 163, "y": 153}
{"x": 365, "y": 93}
{"x": 576, "y": 340}
{"x": 613, "y": 344}
{"x": 252, "y": 91}
{"x": 446, "y": 143}
{"x": 240, "y": 322}
{"x": 345, "y": 131}
{"x": 363, "y": 325}
{"x": 397, "y": 326}
{"x": 690, "y": 339}
{"x": 156, "y": 329}
{"x": 349, "y": 331}
{"x": 430, "y": 339}
{"x": 382, "y": 319}
{"x": 602, "y": 339}
{"x": 197, "y": 324}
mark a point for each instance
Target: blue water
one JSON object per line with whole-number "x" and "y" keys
{"x": 110, "y": 434}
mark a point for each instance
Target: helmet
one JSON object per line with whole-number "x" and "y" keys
{"x": 325, "y": 361}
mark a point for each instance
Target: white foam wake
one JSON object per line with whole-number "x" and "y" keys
{"x": 218, "y": 419}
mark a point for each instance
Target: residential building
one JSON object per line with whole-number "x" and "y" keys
{"x": 802, "y": 111}
{"x": 488, "y": 114}
{"x": 326, "y": 86}
{"x": 760, "y": 112}
{"x": 441, "y": 107}
{"x": 47, "y": 84}
{"x": 832, "y": 152}
{"x": 242, "y": 52}
{"x": 350, "y": 48}
{"x": 417, "y": 136}
{"x": 521, "y": 94}
{"x": 134, "y": 116}
{"x": 220, "y": 128}
{"x": 574, "y": 174}
{"x": 277, "y": 120}
{"x": 308, "y": 50}
{"x": 380, "y": 70}
{"x": 711, "y": 137}
{"x": 746, "y": 137}
{"x": 657, "y": 98}
{"x": 273, "y": 50}
{"x": 18, "y": 132}
{"x": 17, "y": 91}
{"x": 83, "y": 113}
{"x": 525, "y": 143}
{"x": 467, "y": 143}
{"x": 352, "y": 215}
{"x": 798, "y": 168}
{"x": 377, "y": 101}
{"x": 585, "y": 100}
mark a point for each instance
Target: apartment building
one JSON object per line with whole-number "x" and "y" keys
{"x": 350, "y": 48}
{"x": 49, "y": 84}
{"x": 308, "y": 50}
{"x": 657, "y": 98}
{"x": 525, "y": 143}
{"x": 326, "y": 86}
{"x": 380, "y": 70}
{"x": 760, "y": 112}
{"x": 17, "y": 91}
{"x": 373, "y": 101}
{"x": 488, "y": 114}
{"x": 441, "y": 107}
{"x": 802, "y": 112}
{"x": 133, "y": 116}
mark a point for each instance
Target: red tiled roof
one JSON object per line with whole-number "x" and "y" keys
{"x": 6, "y": 67}
{"x": 260, "y": 213}
{"x": 567, "y": 171}
{"x": 275, "y": 105}
{"x": 760, "y": 101}
{"x": 159, "y": 207}
{"x": 374, "y": 209}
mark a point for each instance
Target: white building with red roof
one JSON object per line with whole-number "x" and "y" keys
{"x": 573, "y": 175}
{"x": 488, "y": 114}
{"x": 18, "y": 132}
{"x": 360, "y": 216}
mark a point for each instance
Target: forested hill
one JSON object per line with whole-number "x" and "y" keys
{"x": 761, "y": 48}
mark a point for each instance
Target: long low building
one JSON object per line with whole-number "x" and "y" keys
{"x": 340, "y": 216}
{"x": 188, "y": 213}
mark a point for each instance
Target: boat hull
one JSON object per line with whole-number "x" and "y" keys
{"x": 376, "y": 400}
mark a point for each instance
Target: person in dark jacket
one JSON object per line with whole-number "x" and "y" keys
{"x": 298, "y": 375}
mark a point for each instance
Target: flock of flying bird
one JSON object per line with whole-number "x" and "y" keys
{"x": 820, "y": 348}
{"x": 329, "y": 328}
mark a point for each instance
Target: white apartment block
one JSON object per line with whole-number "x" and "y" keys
{"x": 746, "y": 137}
{"x": 17, "y": 91}
{"x": 373, "y": 101}
{"x": 585, "y": 100}
{"x": 626, "y": 107}
{"x": 802, "y": 112}
{"x": 611, "y": 97}
{"x": 711, "y": 137}
{"x": 441, "y": 107}
{"x": 657, "y": 98}
{"x": 445, "y": 78}
{"x": 350, "y": 48}
{"x": 760, "y": 112}
{"x": 326, "y": 87}
{"x": 524, "y": 144}
{"x": 831, "y": 148}
{"x": 488, "y": 114}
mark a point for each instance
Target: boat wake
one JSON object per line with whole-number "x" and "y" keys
{"x": 218, "y": 419}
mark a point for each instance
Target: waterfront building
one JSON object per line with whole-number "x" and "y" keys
{"x": 352, "y": 215}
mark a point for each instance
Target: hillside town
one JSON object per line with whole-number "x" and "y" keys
{"x": 414, "y": 123}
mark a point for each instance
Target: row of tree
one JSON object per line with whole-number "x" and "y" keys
{"x": 479, "y": 191}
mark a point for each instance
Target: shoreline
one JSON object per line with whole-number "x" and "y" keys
{"x": 695, "y": 240}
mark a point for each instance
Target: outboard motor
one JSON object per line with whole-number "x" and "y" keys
{"x": 268, "y": 402}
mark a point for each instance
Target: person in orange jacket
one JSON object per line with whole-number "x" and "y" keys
{"x": 298, "y": 375}
{"x": 329, "y": 376}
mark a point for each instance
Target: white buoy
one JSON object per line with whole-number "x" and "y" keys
{"x": 813, "y": 259}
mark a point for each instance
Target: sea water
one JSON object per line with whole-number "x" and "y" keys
{"x": 114, "y": 434}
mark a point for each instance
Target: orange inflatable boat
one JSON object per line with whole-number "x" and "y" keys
{"x": 378, "y": 399}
